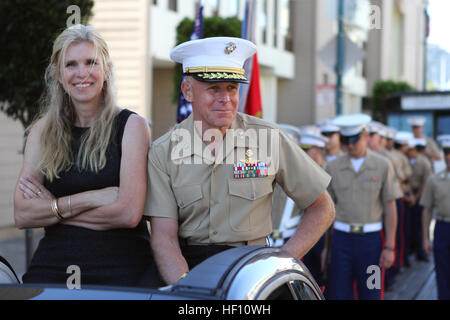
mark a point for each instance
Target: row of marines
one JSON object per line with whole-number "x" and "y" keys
{"x": 385, "y": 192}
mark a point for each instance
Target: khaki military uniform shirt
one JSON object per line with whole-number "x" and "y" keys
{"x": 210, "y": 204}
{"x": 421, "y": 170}
{"x": 360, "y": 197}
{"x": 401, "y": 165}
{"x": 431, "y": 146}
{"x": 436, "y": 194}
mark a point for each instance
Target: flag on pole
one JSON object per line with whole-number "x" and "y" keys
{"x": 185, "y": 107}
{"x": 250, "y": 96}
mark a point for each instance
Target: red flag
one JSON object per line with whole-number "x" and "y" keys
{"x": 253, "y": 104}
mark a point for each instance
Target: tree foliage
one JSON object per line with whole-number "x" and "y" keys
{"x": 382, "y": 90}
{"x": 212, "y": 27}
{"x": 29, "y": 28}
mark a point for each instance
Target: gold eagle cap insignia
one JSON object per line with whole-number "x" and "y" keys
{"x": 231, "y": 46}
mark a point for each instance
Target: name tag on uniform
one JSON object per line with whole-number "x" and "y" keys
{"x": 250, "y": 168}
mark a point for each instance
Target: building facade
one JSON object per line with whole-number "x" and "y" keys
{"x": 297, "y": 86}
{"x": 396, "y": 50}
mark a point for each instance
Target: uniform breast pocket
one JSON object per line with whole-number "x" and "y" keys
{"x": 342, "y": 190}
{"x": 189, "y": 203}
{"x": 250, "y": 205}
{"x": 370, "y": 189}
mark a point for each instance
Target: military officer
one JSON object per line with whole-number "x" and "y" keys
{"x": 211, "y": 177}
{"x": 436, "y": 195}
{"x": 364, "y": 188}
{"x": 377, "y": 143}
{"x": 375, "y": 129}
{"x": 333, "y": 145}
{"x": 432, "y": 150}
{"x": 403, "y": 171}
{"x": 421, "y": 170}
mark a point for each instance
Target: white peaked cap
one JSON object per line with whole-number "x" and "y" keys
{"x": 214, "y": 59}
{"x": 417, "y": 142}
{"x": 377, "y": 127}
{"x": 403, "y": 137}
{"x": 327, "y": 126}
{"x": 444, "y": 140}
{"x": 391, "y": 132}
{"x": 417, "y": 121}
{"x": 311, "y": 136}
{"x": 352, "y": 124}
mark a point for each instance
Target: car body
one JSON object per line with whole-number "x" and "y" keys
{"x": 241, "y": 273}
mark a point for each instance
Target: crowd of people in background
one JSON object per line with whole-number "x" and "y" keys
{"x": 338, "y": 262}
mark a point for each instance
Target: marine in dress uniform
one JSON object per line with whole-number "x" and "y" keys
{"x": 436, "y": 195}
{"x": 333, "y": 146}
{"x": 378, "y": 133}
{"x": 403, "y": 171}
{"x": 364, "y": 188}
{"x": 210, "y": 196}
{"x": 432, "y": 150}
{"x": 421, "y": 170}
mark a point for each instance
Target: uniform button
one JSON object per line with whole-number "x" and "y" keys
{"x": 181, "y": 203}
{"x": 214, "y": 232}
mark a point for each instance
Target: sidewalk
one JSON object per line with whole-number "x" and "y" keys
{"x": 418, "y": 282}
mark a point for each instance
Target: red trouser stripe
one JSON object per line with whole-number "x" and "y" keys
{"x": 382, "y": 270}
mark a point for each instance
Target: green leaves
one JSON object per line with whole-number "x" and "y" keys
{"x": 29, "y": 28}
{"x": 382, "y": 90}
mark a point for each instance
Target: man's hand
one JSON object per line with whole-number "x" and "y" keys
{"x": 387, "y": 258}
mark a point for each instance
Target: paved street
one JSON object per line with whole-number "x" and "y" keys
{"x": 414, "y": 283}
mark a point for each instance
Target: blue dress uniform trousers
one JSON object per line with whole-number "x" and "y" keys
{"x": 441, "y": 252}
{"x": 351, "y": 255}
{"x": 399, "y": 245}
{"x": 416, "y": 231}
{"x": 313, "y": 262}
{"x": 407, "y": 228}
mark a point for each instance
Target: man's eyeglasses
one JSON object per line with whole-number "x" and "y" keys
{"x": 351, "y": 139}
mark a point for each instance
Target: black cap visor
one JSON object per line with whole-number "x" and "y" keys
{"x": 350, "y": 139}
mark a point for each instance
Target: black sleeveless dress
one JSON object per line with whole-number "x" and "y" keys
{"x": 119, "y": 257}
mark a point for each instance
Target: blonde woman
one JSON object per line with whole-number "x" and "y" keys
{"x": 84, "y": 173}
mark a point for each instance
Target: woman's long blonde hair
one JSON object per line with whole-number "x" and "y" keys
{"x": 58, "y": 112}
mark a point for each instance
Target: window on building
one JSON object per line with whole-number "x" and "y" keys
{"x": 233, "y": 9}
{"x": 285, "y": 24}
{"x": 214, "y": 5}
{"x": 173, "y": 5}
{"x": 263, "y": 19}
{"x": 275, "y": 23}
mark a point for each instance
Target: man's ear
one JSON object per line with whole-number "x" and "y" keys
{"x": 186, "y": 88}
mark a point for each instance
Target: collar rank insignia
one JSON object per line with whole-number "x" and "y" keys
{"x": 250, "y": 168}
